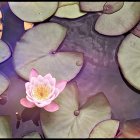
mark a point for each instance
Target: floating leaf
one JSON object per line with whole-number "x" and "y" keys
{"x": 72, "y": 120}
{"x": 32, "y": 135}
{"x": 5, "y": 52}
{"x": 128, "y": 58}
{"x": 105, "y": 129}
{"x": 92, "y": 6}
{"x": 33, "y": 11}
{"x": 119, "y": 22}
{"x": 35, "y": 50}
{"x": 111, "y": 7}
{"x": 5, "y": 129}
{"x": 130, "y": 129}
{"x": 28, "y": 25}
{"x": 4, "y": 83}
{"x": 67, "y": 3}
{"x": 69, "y": 11}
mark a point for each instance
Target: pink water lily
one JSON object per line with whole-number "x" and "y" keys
{"x": 41, "y": 91}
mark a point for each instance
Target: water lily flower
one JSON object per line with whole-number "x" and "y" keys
{"x": 41, "y": 91}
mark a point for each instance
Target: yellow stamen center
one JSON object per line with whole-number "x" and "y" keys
{"x": 41, "y": 92}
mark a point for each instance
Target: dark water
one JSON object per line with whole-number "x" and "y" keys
{"x": 100, "y": 72}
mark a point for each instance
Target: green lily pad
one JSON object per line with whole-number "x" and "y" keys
{"x": 119, "y": 22}
{"x": 4, "y": 83}
{"x": 5, "y": 127}
{"x": 128, "y": 58}
{"x": 35, "y": 48}
{"x": 92, "y": 6}
{"x": 5, "y": 52}
{"x": 33, "y": 135}
{"x": 67, "y": 3}
{"x": 112, "y": 7}
{"x": 73, "y": 120}
{"x": 33, "y": 11}
{"x": 69, "y": 11}
{"x": 105, "y": 129}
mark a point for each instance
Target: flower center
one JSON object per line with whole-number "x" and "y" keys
{"x": 41, "y": 92}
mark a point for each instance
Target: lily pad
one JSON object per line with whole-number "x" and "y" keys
{"x": 105, "y": 129}
{"x": 37, "y": 49}
{"x": 92, "y": 6}
{"x": 67, "y": 3}
{"x": 76, "y": 121}
{"x": 33, "y": 11}
{"x": 128, "y": 58}
{"x": 5, "y": 127}
{"x": 112, "y": 7}
{"x": 33, "y": 135}
{"x": 4, "y": 83}
{"x": 69, "y": 11}
{"x": 119, "y": 22}
{"x": 130, "y": 129}
{"x": 5, "y": 52}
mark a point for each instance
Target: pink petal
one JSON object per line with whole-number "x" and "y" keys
{"x": 26, "y": 103}
{"x": 28, "y": 88}
{"x": 43, "y": 103}
{"x": 61, "y": 85}
{"x": 30, "y": 99}
{"x": 33, "y": 73}
{"x": 48, "y": 76}
{"x": 56, "y": 93}
{"x": 51, "y": 80}
{"x": 52, "y": 107}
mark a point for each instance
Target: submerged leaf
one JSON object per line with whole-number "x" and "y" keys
{"x": 130, "y": 129}
{"x": 28, "y": 25}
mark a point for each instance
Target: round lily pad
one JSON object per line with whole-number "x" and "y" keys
{"x": 112, "y": 7}
{"x": 67, "y": 3}
{"x": 92, "y": 6}
{"x": 4, "y": 83}
{"x": 119, "y": 22}
{"x": 37, "y": 49}
{"x": 69, "y": 11}
{"x": 33, "y": 11}
{"x": 33, "y": 135}
{"x": 5, "y": 52}
{"x": 105, "y": 129}
{"x": 128, "y": 58}
{"x": 73, "y": 120}
{"x": 5, "y": 129}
